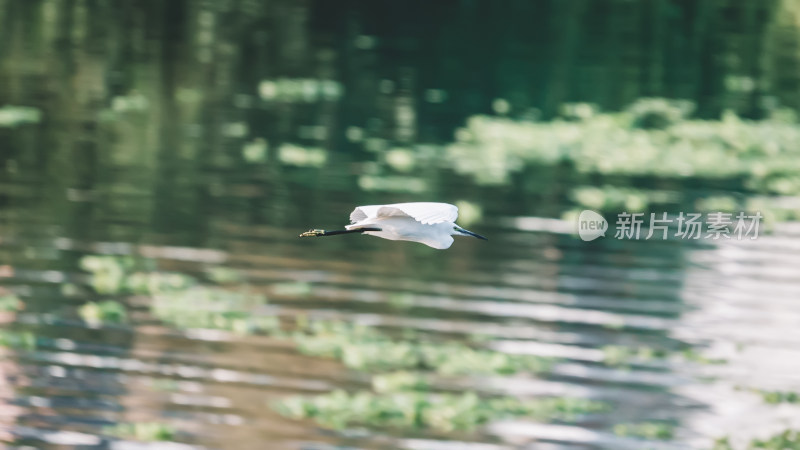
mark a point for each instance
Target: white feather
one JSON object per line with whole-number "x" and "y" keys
{"x": 427, "y": 213}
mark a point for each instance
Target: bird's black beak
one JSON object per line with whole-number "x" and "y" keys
{"x": 472, "y": 234}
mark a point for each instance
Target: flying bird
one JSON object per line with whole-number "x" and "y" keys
{"x": 432, "y": 224}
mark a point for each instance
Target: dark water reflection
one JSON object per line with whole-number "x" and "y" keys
{"x": 142, "y": 150}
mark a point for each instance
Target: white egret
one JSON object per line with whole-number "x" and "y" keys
{"x": 432, "y": 224}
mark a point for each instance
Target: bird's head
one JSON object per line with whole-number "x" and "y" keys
{"x": 458, "y": 231}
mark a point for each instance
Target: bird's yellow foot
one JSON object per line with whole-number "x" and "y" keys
{"x": 311, "y": 233}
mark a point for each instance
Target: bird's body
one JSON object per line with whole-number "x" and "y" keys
{"x": 432, "y": 224}
{"x": 407, "y": 229}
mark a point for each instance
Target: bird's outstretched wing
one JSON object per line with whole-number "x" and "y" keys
{"x": 363, "y": 212}
{"x": 424, "y": 212}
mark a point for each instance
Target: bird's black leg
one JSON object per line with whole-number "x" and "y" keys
{"x": 315, "y": 233}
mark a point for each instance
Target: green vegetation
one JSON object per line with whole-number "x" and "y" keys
{"x": 165, "y": 385}
{"x": 613, "y": 198}
{"x": 620, "y": 356}
{"x": 468, "y": 212}
{"x": 295, "y": 155}
{"x": 722, "y": 443}
{"x": 391, "y": 183}
{"x": 655, "y": 138}
{"x": 256, "y": 151}
{"x": 400, "y": 159}
{"x": 443, "y": 412}
{"x": 97, "y": 313}
{"x": 213, "y": 308}
{"x": 401, "y": 397}
{"x": 645, "y": 430}
{"x": 22, "y": 340}
{"x": 177, "y": 299}
{"x": 13, "y": 116}
{"x": 142, "y": 431}
{"x": 128, "y": 275}
{"x": 108, "y": 272}
{"x": 292, "y": 289}
{"x": 776, "y": 397}
{"x": 10, "y": 302}
{"x": 400, "y": 300}
{"x": 300, "y": 90}
{"x": 786, "y": 440}
{"x": 401, "y": 394}
{"x": 364, "y": 348}
{"x": 399, "y": 381}
{"x": 652, "y": 137}
{"x": 691, "y": 354}
{"x": 224, "y": 275}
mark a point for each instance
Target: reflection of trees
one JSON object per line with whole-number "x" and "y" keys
{"x": 541, "y": 54}
{"x": 197, "y": 66}
{"x": 782, "y": 53}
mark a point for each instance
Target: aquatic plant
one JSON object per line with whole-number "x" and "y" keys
{"x": 651, "y": 138}
{"x": 399, "y": 381}
{"x": 392, "y": 183}
{"x": 213, "y": 308}
{"x": 296, "y": 155}
{"x": 142, "y": 431}
{"x": 133, "y": 102}
{"x": 10, "y": 302}
{"x": 157, "y": 282}
{"x": 722, "y": 443}
{"x": 645, "y": 430}
{"x": 224, "y": 275}
{"x": 776, "y": 397}
{"x": 659, "y": 113}
{"x": 12, "y": 116}
{"x": 256, "y": 151}
{"x": 292, "y": 289}
{"x": 22, "y": 340}
{"x": 364, "y": 348}
{"x": 786, "y": 440}
{"x": 468, "y": 212}
{"x": 401, "y": 398}
{"x": 417, "y": 410}
{"x": 691, "y": 354}
{"x": 615, "y": 198}
{"x": 296, "y": 90}
{"x": 400, "y": 159}
{"x": 129, "y": 275}
{"x": 108, "y": 311}
{"x": 620, "y": 356}
{"x": 177, "y": 299}
{"x": 108, "y": 272}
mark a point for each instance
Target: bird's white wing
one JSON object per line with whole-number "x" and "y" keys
{"x": 363, "y": 212}
{"x": 424, "y": 212}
